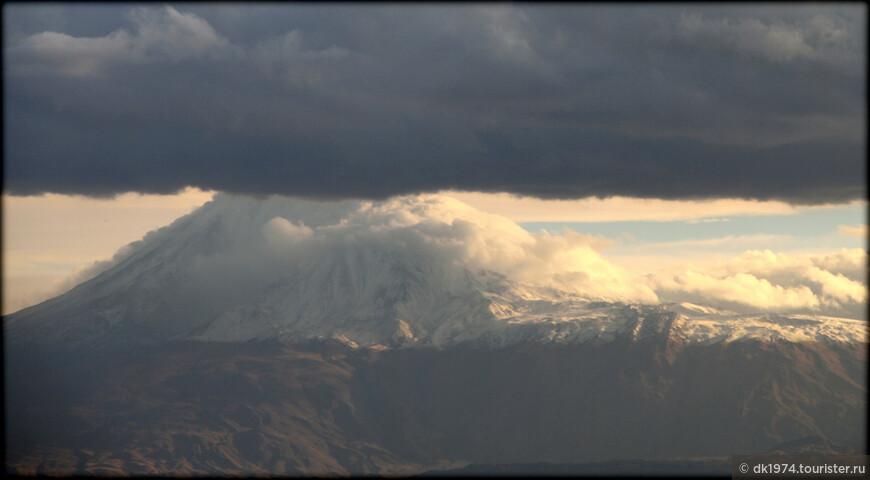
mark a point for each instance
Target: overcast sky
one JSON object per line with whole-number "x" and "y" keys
{"x": 560, "y": 101}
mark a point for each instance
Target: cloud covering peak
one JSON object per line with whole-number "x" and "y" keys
{"x": 336, "y": 101}
{"x": 240, "y": 245}
{"x": 453, "y": 233}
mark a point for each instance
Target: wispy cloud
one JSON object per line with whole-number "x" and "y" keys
{"x": 708, "y": 220}
{"x": 521, "y": 208}
{"x": 729, "y": 242}
{"x": 853, "y": 231}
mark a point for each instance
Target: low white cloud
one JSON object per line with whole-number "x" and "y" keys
{"x": 851, "y": 262}
{"x": 830, "y": 284}
{"x": 741, "y": 288}
{"x": 455, "y": 233}
{"x": 279, "y": 230}
{"x": 450, "y": 232}
{"x": 447, "y": 232}
{"x": 837, "y": 286}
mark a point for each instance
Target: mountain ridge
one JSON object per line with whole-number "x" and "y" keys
{"x": 388, "y": 273}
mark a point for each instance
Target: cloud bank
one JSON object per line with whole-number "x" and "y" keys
{"x": 833, "y": 283}
{"x": 334, "y": 101}
{"x": 259, "y": 240}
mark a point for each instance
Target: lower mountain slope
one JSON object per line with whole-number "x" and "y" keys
{"x": 325, "y": 408}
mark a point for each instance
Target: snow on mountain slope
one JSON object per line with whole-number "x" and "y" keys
{"x": 415, "y": 270}
{"x": 698, "y": 324}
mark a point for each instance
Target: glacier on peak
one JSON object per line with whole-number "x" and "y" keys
{"x": 417, "y": 270}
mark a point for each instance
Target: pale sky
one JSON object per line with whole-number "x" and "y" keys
{"x": 47, "y": 238}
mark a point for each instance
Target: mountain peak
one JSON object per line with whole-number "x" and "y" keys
{"x": 418, "y": 270}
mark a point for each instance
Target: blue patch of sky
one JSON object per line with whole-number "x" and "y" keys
{"x": 803, "y": 225}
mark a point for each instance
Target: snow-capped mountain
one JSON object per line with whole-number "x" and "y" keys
{"x": 279, "y": 336}
{"x": 412, "y": 271}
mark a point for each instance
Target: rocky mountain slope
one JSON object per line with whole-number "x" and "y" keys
{"x": 323, "y": 408}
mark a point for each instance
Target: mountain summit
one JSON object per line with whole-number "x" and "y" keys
{"x": 422, "y": 270}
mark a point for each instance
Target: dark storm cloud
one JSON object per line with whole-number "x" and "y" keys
{"x": 333, "y": 101}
